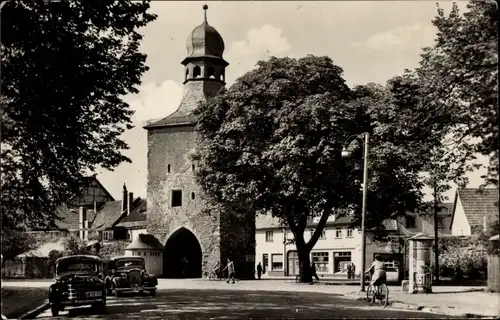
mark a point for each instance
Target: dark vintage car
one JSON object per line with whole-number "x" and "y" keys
{"x": 79, "y": 281}
{"x": 129, "y": 274}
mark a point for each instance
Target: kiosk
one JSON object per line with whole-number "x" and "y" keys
{"x": 420, "y": 253}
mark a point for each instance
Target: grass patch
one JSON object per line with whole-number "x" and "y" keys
{"x": 17, "y": 301}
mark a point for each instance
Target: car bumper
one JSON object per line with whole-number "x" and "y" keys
{"x": 79, "y": 302}
{"x": 135, "y": 289}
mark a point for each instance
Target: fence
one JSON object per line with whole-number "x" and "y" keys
{"x": 30, "y": 267}
{"x": 494, "y": 273}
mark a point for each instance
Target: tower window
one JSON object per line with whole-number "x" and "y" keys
{"x": 187, "y": 73}
{"x": 223, "y": 75}
{"x": 192, "y": 195}
{"x": 211, "y": 73}
{"x": 168, "y": 168}
{"x": 193, "y": 167}
{"x": 196, "y": 72}
{"x": 176, "y": 198}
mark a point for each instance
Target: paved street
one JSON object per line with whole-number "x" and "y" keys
{"x": 229, "y": 304}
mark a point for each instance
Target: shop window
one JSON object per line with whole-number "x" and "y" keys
{"x": 277, "y": 261}
{"x": 321, "y": 260}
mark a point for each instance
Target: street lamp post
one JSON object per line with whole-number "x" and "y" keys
{"x": 363, "y": 209}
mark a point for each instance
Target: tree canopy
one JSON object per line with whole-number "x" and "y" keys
{"x": 66, "y": 67}
{"x": 453, "y": 94}
{"x": 272, "y": 143}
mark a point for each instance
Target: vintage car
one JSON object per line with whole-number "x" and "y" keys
{"x": 129, "y": 274}
{"x": 79, "y": 281}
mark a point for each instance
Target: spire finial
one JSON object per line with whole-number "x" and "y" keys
{"x": 205, "y": 7}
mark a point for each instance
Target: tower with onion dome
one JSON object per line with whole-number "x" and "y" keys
{"x": 194, "y": 241}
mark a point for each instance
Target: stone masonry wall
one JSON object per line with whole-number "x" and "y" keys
{"x": 172, "y": 146}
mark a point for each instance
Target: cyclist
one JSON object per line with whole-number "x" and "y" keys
{"x": 377, "y": 268}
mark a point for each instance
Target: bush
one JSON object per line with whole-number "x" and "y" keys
{"x": 461, "y": 258}
{"x": 74, "y": 246}
{"x": 16, "y": 242}
{"x": 113, "y": 249}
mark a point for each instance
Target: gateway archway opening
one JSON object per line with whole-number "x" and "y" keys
{"x": 182, "y": 256}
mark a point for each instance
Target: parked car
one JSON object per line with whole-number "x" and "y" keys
{"x": 129, "y": 274}
{"x": 79, "y": 281}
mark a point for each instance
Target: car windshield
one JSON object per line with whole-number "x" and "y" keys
{"x": 77, "y": 266}
{"x": 132, "y": 263}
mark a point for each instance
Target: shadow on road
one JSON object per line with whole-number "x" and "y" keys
{"x": 226, "y": 304}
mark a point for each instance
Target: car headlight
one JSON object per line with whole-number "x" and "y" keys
{"x": 124, "y": 276}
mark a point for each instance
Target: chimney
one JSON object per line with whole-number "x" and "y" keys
{"x": 82, "y": 215}
{"x": 130, "y": 201}
{"x": 124, "y": 198}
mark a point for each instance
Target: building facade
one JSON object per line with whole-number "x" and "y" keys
{"x": 174, "y": 205}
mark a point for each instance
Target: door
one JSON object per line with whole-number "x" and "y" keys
{"x": 293, "y": 263}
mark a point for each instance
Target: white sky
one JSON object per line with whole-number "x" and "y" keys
{"x": 372, "y": 41}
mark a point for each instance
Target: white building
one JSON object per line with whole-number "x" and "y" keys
{"x": 339, "y": 244}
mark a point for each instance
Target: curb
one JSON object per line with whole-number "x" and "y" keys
{"x": 33, "y": 313}
{"x": 415, "y": 307}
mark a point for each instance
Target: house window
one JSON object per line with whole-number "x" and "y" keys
{"x": 192, "y": 196}
{"x": 322, "y": 236}
{"x": 321, "y": 260}
{"x": 269, "y": 236}
{"x": 410, "y": 222}
{"x": 129, "y": 235}
{"x": 138, "y": 253}
{"x": 176, "y": 198}
{"x": 338, "y": 233}
{"x": 265, "y": 262}
{"x": 277, "y": 261}
{"x": 168, "y": 168}
{"x": 349, "y": 233}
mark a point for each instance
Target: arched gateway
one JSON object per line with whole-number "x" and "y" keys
{"x": 182, "y": 256}
{"x": 174, "y": 198}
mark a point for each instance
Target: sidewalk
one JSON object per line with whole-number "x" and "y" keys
{"x": 454, "y": 301}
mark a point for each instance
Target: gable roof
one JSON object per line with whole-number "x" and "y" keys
{"x": 477, "y": 203}
{"x": 88, "y": 182}
{"x": 109, "y": 214}
{"x": 137, "y": 216}
{"x": 69, "y": 217}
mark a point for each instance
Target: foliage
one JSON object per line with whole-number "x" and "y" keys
{"x": 272, "y": 144}
{"x": 16, "y": 242}
{"x": 113, "y": 249}
{"x": 75, "y": 246}
{"x": 53, "y": 256}
{"x": 66, "y": 67}
{"x": 463, "y": 258}
{"x": 453, "y": 94}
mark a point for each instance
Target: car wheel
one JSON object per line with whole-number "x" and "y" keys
{"x": 152, "y": 293}
{"x": 100, "y": 307}
{"x": 55, "y": 310}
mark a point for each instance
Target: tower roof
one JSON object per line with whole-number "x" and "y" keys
{"x": 205, "y": 41}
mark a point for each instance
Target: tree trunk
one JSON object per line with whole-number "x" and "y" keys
{"x": 436, "y": 237}
{"x": 305, "y": 271}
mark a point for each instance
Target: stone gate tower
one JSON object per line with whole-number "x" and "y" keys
{"x": 194, "y": 242}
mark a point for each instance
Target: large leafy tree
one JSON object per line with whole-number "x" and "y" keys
{"x": 454, "y": 92}
{"x": 66, "y": 67}
{"x": 272, "y": 144}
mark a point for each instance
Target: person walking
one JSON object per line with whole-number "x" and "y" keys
{"x": 259, "y": 270}
{"x": 353, "y": 271}
{"x": 349, "y": 270}
{"x": 313, "y": 270}
{"x": 230, "y": 270}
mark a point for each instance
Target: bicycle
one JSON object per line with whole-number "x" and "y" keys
{"x": 380, "y": 292}
{"x": 214, "y": 275}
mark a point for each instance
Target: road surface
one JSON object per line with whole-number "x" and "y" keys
{"x": 237, "y": 304}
